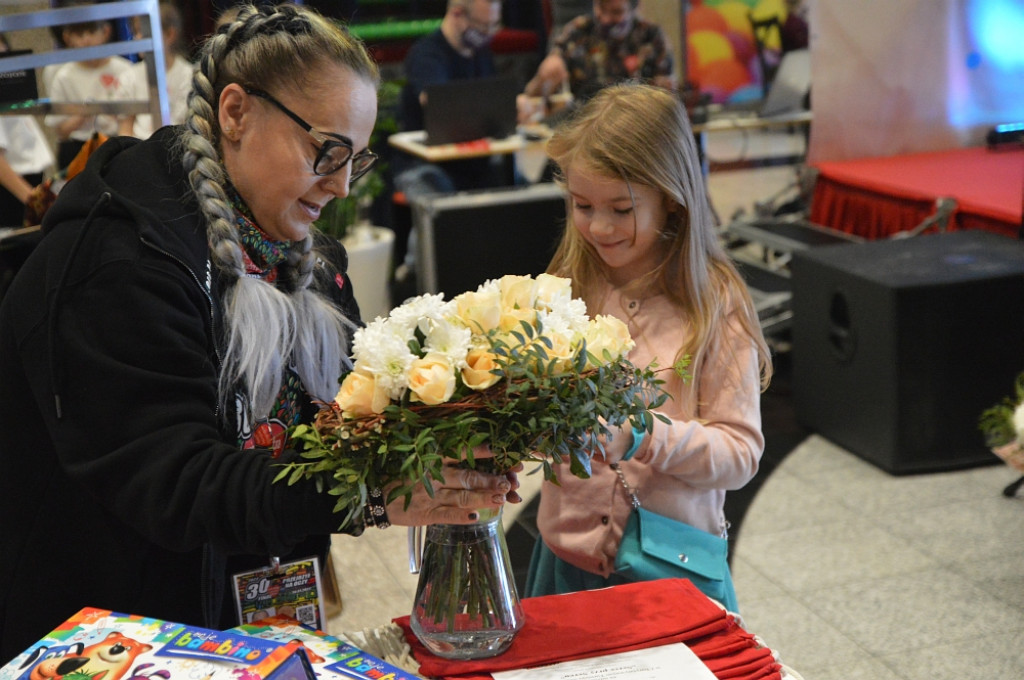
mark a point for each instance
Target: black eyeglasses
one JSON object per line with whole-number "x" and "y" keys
{"x": 334, "y": 151}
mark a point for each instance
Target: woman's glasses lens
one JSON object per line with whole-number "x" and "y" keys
{"x": 334, "y": 156}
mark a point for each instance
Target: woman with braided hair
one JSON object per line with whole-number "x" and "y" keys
{"x": 178, "y": 316}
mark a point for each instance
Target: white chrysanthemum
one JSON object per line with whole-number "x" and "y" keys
{"x": 380, "y": 350}
{"x": 417, "y": 313}
{"x": 490, "y": 286}
{"x": 450, "y": 340}
{"x": 1018, "y": 422}
{"x": 566, "y": 316}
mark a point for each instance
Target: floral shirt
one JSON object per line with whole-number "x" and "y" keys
{"x": 262, "y": 256}
{"x": 595, "y": 60}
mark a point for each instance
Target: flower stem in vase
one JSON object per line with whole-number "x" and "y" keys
{"x": 466, "y": 604}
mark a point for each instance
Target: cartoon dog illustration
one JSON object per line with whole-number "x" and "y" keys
{"x": 53, "y": 663}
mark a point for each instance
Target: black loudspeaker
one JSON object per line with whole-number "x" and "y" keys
{"x": 899, "y": 345}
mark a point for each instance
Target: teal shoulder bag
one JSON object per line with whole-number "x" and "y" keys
{"x": 654, "y": 546}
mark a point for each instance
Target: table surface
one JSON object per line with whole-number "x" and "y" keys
{"x": 414, "y": 142}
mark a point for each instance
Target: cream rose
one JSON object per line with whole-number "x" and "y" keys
{"x": 511, "y": 319}
{"x": 517, "y": 292}
{"x": 552, "y": 289}
{"x": 480, "y": 310}
{"x": 432, "y": 379}
{"x": 477, "y": 375}
{"x": 361, "y": 395}
{"x": 608, "y": 333}
{"x": 561, "y": 350}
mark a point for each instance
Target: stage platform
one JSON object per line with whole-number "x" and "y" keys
{"x": 877, "y": 197}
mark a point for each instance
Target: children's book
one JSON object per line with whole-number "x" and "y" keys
{"x": 329, "y": 655}
{"x": 98, "y": 644}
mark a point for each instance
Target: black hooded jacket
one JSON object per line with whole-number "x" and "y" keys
{"x": 121, "y": 486}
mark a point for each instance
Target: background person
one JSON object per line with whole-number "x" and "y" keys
{"x": 178, "y": 71}
{"x": 91, "y": 80}
{"x": 177, "y": 316}
{"x": 24, "y": 156}
{"x": 610, "y": 45}
{"x": 459, "y": 49}
{"x": 640, "y": 245}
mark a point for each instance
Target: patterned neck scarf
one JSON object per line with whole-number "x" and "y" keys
{"x": 262, "y": 256}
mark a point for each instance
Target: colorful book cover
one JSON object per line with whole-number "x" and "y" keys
{"x": 326, "y": 653}
{"x": 97, "y": 644}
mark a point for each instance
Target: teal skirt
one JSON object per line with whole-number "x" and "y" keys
{"x": 551, "y": 575}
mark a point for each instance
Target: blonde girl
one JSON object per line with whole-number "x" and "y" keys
{"x": 640, "y": 244}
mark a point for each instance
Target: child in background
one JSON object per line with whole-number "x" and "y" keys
{"x": 640, "y": 245}
{"x": 24, "y": 156}
{"x": 92, "y": 80}
{"x": 178, "y": 75}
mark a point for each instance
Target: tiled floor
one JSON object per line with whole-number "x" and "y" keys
{"x": 847, "y": 572}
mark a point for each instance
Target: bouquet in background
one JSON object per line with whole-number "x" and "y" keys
{"x": 516, "y": 365}
{"x": 1003, "y": 427}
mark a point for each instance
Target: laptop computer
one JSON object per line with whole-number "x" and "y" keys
{"x": 791, "y": 84}
{"x": 469, "y": 109}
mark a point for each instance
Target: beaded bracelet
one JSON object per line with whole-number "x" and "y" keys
{"x": 375, "y": 512}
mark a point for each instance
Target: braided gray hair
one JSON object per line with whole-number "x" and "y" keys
{"x": 266, "y": 326}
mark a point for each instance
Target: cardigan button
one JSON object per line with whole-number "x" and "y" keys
{"x": 683, "y": 558}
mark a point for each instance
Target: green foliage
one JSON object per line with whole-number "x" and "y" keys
{"x": 996, "y": 422}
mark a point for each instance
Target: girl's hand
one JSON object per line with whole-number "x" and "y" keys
{"x": 616, "y": 446}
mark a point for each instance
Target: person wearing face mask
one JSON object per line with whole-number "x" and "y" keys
{"x": 610, "y": 45}
{"x": 459, "y": 49}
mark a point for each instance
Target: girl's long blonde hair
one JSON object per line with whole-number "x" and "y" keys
{"x": 641, "y": 135}
{"x": 266, "y": 327}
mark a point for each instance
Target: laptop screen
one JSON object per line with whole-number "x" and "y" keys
{"x": 469, "y": 109}
{"x": 790, "y": 86}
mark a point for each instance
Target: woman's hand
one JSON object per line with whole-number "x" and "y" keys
{"x": 457, "y": 499}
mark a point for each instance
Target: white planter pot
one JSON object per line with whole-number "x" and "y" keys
{"x": 369, "y": 268}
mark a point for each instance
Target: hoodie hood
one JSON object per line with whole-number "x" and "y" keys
{"x": 124, "y": 168}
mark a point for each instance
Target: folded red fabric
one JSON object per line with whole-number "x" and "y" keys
{"x": 740, "y": 664}
{"x": 723, "y": 643}
{"x": 589, "y": 623}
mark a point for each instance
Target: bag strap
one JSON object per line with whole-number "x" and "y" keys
{"x": 625, "y": 485}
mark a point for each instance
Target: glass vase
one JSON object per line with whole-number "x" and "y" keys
{"x": 466, "y": 606}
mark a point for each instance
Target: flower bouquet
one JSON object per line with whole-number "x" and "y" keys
{"x": 516, "y": 365}
{"x": 1003, "y": 427}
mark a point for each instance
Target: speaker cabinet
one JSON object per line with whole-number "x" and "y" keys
{"x": 899, "y": 345}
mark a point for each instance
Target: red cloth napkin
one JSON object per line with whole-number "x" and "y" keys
{"x": 589, "y": 623}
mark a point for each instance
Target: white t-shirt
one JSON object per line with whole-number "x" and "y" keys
{"x": 24, "y": 145}
{"x": 74, "y": 82}
{"x": 179, "y": 82}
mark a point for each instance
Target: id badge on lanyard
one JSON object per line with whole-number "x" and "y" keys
{"x": 292, "y": 589}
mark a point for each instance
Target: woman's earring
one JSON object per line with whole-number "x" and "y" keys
{"x": 229, "y": 133}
